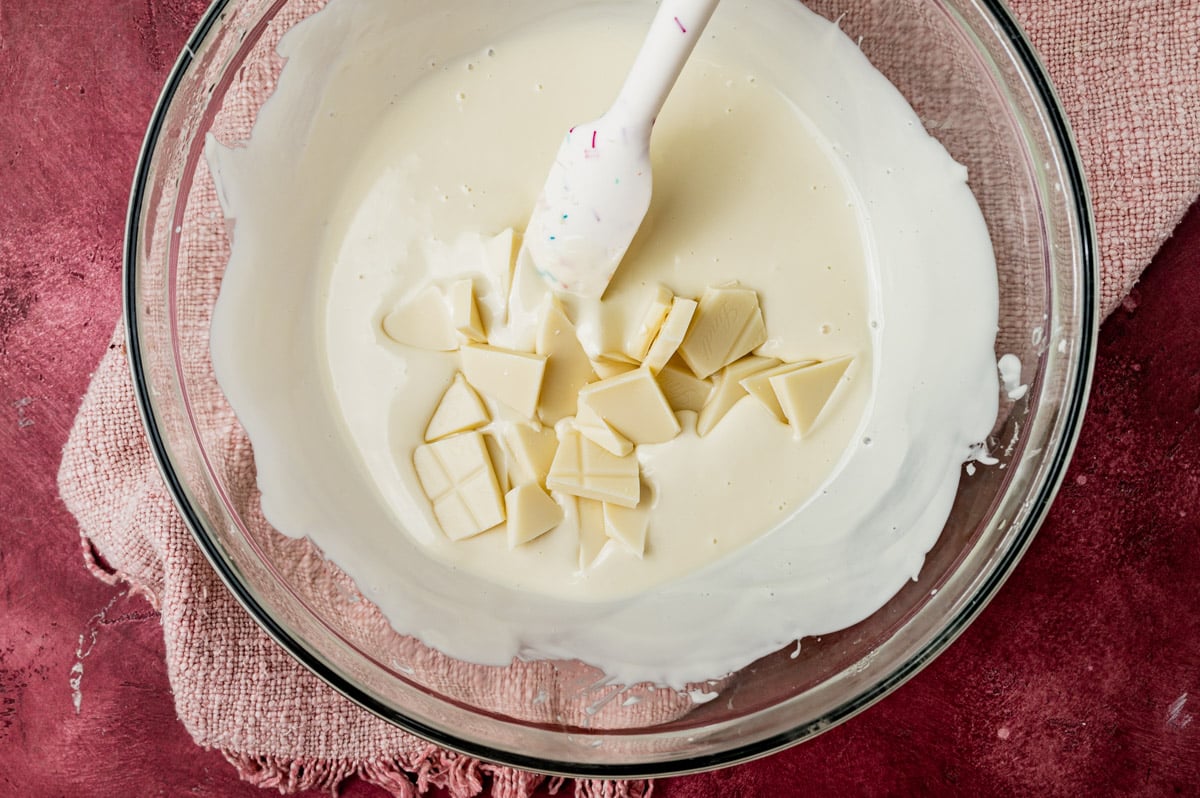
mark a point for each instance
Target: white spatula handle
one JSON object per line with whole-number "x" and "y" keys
{"x": 673, "y": 34}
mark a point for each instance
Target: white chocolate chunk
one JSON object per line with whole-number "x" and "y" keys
{"x": 567, "y": 366}
{"x": 759, "y": 386}
{"x": 531, "y": 514}
{"x": 627, "y": 527}
{"x": 600, "y": 432}
{"x": 683, "y": 389}
{"x": 591, "y": 530}
{"x": 499, "y": 254}
{"x": 512, "y": 378}
{"x": 671, "y": 334}
{"x": 728, "y": 324}
{"x": 422, "y": 322}
{"x": 456, "y": 474}
{"x": 651, "y": 321}
{"x": 581, "y": 468}
{"x": 803, "y": 393}
{"x": 499, "y": 458}
{"x": 531, "y": 450}
{"x": 464, "y": 311}
{"x": 727, "y": 390}
{"x": 459, "y": 410}
{"x": 610, "y": 365}
{"x": 634, "y": 405}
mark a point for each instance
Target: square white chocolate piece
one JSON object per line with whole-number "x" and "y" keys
{"x": 728, "y": 324}
{"x": 512, "y": 378}
{"x": 531, "y": 451}
{"x": 651, "y": 321}
{"x": 583, "y": 469}
{"x": 683, "y": 389}
{"x": 464, "y": 311}
{"x": 456, "y": 474}
{"x": 600, "y": 432}
{"x": 805, "y": 392}
{"x": 634, "y": 405}
{"x": 728, "y": 391}
{"x": 627, "y": 527}
{"x": 422, "y": 322}
{"x": 531, "y": 514}
{"x": 759, "y": 386}
{"x": 591, "y": 530}
{"x": 671, "y": 334}
{"x": 567, "y": 366}
{"x": 459, "y": 410}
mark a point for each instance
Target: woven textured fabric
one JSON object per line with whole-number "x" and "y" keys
{"x": 1127, "y": 75}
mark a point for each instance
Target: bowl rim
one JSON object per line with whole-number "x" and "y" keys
{"x": 1070, "y": 419}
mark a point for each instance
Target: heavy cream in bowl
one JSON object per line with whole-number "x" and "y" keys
{"x": 379, "y": 179}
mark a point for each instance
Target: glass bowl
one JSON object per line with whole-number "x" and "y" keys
{"x": 973, "y": 78}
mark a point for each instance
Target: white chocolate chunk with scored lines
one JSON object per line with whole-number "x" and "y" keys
{"x": 674, "y": 329}
{"x": 531, "y": 450}
{"x": 634, "y": 405}
{"x": 759, "y": 386}
{"x": 583, "y": 469}
{"x": 651, "y": 321}
{"x": 464, "y": 311}
{"x": 531, "y": 513}
{"x": 600, "y": 432}
{"x": 728, "y": 391}
{"x": 456, "y": 474}
{"x": 567, "y": 366}
{"x": 728, "y": 324}
{"x": 683, "y": 389}
{"x": 512, "y": 378}
{"x": 422, "y": 322}
{"x": 804, "y": 393}
{"x": 459, "y": 410}
{"x": 627, "y": 527}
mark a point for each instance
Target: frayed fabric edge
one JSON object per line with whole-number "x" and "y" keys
{"x": 412, "y": 775}
{"x": 93, "y": 561}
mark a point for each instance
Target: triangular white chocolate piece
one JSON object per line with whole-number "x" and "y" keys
{"x": 531, "y": 450}
{"x": 459, "y": 410}
{"x": 759, "y": 386}
{"x": 600, "y": 432}
{"x": 531, "y": 514}
{"x": 804, "y": 393}
{"x": 591, "y": 530}
{"x": 727, "y": 390}
{"x": 627, "y": 527}
{"x": 567, "y": 366}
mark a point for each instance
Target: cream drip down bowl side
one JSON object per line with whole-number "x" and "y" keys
{"x": 976, "y": 85}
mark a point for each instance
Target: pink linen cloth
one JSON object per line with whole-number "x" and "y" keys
{"x": 1128, "y": 77}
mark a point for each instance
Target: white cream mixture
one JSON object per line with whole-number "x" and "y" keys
{"x": 782, "y": 160}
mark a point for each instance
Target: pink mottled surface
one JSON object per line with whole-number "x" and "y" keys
{"x": 1081, "y": 678}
